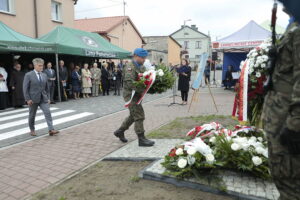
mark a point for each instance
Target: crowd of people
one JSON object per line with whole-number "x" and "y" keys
{"x": 75, "y": 82}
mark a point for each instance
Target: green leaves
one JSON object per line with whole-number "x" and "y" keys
{"x": 162, "y": 83}
{"x": 226, "y": 158}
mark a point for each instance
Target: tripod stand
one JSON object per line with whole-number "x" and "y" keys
{"x": 174, "y": 93}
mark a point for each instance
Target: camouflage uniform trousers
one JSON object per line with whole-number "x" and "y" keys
{"x": 136, "y": 116}
{"x": 285, "y": 167}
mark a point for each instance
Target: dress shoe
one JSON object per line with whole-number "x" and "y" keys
{"x": 53, "y": 132}
{"x": 120, "y": 134}
{"x": 32, "y": 133}
{"x": 144, "y": 142}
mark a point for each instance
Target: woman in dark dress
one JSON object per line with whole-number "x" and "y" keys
{"x": 16, "y": 84}
{"x": 76, "y": 82}
{"x": 105, "y": 79}
{"x": 184, "y": 72}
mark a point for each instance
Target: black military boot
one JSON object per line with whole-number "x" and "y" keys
{"x": 144, "y": 142}
{"x": 120, "y": 134}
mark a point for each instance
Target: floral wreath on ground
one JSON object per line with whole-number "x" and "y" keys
{"x": 211, "y": 146}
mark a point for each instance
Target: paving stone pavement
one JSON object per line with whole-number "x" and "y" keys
{"x": 133, "y": 152}
{"x": 28, "y": 167}
{"x": 237, "y": 185}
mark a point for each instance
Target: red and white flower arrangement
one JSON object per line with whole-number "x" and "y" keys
{"x": 212, "y": 146}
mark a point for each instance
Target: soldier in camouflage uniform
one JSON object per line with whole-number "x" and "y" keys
{"x": 137, "y": 115}
{"x": 281, "y": 116}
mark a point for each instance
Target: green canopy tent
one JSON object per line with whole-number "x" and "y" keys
{"x": 81, "y": 43}
{"x": 69, "y": 41}
{"x": 12, "y": 41}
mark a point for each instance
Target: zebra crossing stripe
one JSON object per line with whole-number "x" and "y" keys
{"x": 38, "y": 118}
{"x": 14, "y": 111}
{"x": 21, "y": 115}
{"x": 23, "y": 131}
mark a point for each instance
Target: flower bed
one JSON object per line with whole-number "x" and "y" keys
{"x": 211, "y": 146}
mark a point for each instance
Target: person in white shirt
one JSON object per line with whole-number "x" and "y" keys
{"x": 3, "y": 88}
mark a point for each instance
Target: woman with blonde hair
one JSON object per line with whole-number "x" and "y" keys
{"x": 86, "y": 81}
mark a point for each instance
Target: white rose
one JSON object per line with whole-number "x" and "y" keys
{"x": 260, "y": 139}
{"x": 263, "y": 65}
{"x": 265, "y": 57}
{"x": 259, "y": 150}
{"x": 235, "y": 146}
{"x": 182, "y": 163}
{"x": 179, "y": 152}
{"x": 212, "y": 140}
{"x": 191, "y": 150}
{"x": 160, "y": 73}
{"x": 253, "y": 138}
{"x": 256, "y": 160}
{"x": 245, "y": 146}
{"x": 258, "y": 74}
{"x": 210, "y": 158}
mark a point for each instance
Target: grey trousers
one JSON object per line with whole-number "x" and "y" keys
{"x": 52, "y": 88}
{"x": 95, "y": 90}
{"x": 45, "y": 107}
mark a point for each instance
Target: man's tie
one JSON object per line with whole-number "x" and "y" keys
{"x": 40, "y": 78}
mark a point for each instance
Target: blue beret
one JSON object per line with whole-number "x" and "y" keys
{"x": 140, "y": 52}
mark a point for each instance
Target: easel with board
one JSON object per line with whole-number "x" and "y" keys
{"x": 196, "y": 95}
{"x": 197, "y": 82}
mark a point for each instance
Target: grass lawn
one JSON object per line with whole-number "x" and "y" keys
{"x": 178, "y": 128}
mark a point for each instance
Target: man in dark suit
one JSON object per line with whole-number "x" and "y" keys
{"x": 63, "y": 78}
{"x": 37, "y": 94}
{"x": 51, "y": 80}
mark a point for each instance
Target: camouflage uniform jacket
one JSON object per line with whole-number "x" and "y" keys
{"x": 282, "y": 104}
{"x": 130, "y": 74}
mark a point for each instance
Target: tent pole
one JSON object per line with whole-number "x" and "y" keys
{"x": 57, "y": 78}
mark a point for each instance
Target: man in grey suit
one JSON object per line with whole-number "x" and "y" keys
{"x": 37, "y": 94}
{"x": 51, "y": 80}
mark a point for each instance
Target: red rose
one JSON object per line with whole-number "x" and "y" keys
{"x": 147, "y": 76}
{"x": 146, "y": 82}
{"x": 172, "y": 153}
{"x": 198, "y": 129}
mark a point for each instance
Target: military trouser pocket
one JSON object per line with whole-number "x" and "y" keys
{"x": 137, "y": 112}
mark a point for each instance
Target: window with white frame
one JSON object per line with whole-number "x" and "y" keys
{"x": 198, "y": 44}
{"x": 56, "y": 11}
{"x": 186, "y": 44}
{"x": 7, "y": 6}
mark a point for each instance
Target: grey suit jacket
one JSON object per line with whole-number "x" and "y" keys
{"x": 34, "y": 90}
{"x": 49, "y": 75}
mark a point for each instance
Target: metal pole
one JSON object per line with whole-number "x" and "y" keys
{"x": 57, "y": 78}
{"x": 35, "y": 19}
